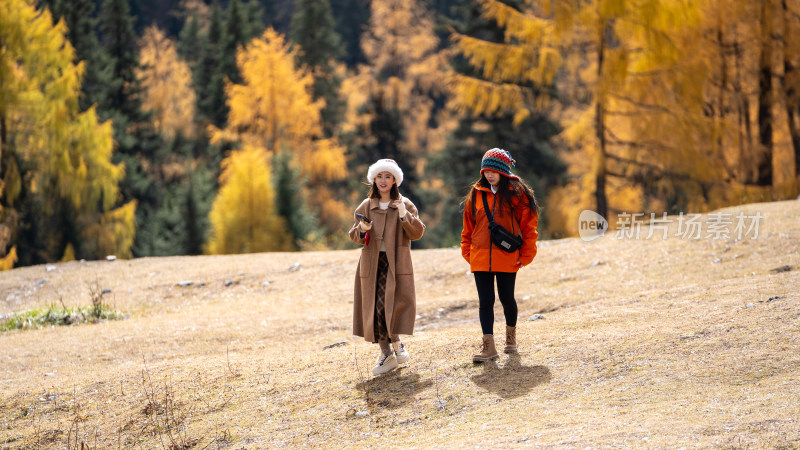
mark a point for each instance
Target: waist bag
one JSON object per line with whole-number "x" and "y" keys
{"x": 502, "y": 238}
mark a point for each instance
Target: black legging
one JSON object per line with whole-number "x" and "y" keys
{"x": 484, "y": 281}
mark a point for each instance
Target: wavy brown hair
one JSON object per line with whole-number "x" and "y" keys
{"x": 374, "y": 192}
{"x": 507, "y": 189}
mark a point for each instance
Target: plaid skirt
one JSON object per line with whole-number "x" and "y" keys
{"x": 379, "y": 321}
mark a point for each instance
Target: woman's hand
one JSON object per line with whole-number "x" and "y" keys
{"x": 364, "y": 226}
{"x": 401, "y": 207}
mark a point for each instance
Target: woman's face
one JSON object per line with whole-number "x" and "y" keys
{"x": 492, "y": 177}
{"x": 385, "y": 181}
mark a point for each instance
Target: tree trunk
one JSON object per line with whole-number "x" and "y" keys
{"x": 745, "y": 171}
{"x": 601, "y": 199}
{"x": 720, "y": 107}
{"x": 3, "y": 140}
{"x": 794, "y": 130}
{"x": 764, "y": 165}
{"x": 789, "y": 93}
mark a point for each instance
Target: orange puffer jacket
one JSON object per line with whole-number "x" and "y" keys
{"x": 476, "y": 245}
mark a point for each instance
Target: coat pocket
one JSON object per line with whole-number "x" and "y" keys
{"x": 364, "y": 265}
{"x": 403, "y": 261}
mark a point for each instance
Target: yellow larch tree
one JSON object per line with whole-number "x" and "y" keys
{"x": 243, "y": 218}
{"x": 711, "y": 110}
{"x": 273, "y": 109}
{"x": 790, "y": 81}
{"x": 167, "y": 81}
{"x": 56, "y": 154}
{"x": 615, "y": 61}
{"x": 406, "y": 71}
{"x": 668, "y": 105}
{"x": 513, "y": 72}
{"x": 753, "y": 57}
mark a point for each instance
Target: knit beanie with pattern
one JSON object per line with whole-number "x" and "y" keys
{"x": 500, "y": 161}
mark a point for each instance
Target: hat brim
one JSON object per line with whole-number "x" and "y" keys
{"x": 511, "y": 176}
{"x": 385, "y": 166}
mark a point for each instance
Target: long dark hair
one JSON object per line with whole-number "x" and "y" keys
{"x": 374, "y": 192}
{"x": 507, "y": 189}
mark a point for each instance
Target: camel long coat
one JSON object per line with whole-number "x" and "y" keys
{"x": 401, "y": 300}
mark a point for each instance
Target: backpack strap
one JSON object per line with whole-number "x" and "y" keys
{"x": 489, "y": 215}
{"x": 472, "y": 209}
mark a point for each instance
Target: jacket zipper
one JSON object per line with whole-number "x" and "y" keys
{"x": 494, "y": 199}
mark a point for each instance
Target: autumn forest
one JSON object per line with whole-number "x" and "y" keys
{"x": 150, "y": 128}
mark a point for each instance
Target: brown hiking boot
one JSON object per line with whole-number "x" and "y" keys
{"x": 511, "y": 340}
{"x": 488, "y": 352}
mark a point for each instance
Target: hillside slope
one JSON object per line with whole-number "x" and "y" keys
{"x": 644, "y": 343}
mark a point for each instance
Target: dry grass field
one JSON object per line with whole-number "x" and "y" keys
{"x": 660, "y": 343}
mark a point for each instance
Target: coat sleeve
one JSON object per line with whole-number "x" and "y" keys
{"x": 466, "y": 231}
{"x": 413, "y": 226}
{"x": 355, "y": 232}
{"x": 528, "y": 222}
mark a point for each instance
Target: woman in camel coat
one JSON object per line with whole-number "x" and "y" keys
{"x": 384, "y": 304}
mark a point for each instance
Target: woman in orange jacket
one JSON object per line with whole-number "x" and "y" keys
{"x": 513, "y": 206}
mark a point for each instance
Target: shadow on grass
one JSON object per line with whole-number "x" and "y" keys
{"x": 393, "y": 389}
{"x": 512, "y": 379}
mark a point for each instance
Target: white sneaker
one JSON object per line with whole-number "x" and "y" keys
{"x": 385, "y": 363}
{"x": 400, "y": 352}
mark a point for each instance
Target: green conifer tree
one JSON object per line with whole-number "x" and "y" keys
{"x": 198, "y": 196}
{"x": 290, "y": 199}
{"x": 314, "y": 29}
{"x": 351, "y": 17}
{"x": 232, "y": 37}
{"x": 253, "y": 15}
{"x": 209, "y": 82}
{"x": 140, "y": 147}
{"x": 80, "y": 17}
{"x": 59, "y": 186}
{"x": 188, "y": 40}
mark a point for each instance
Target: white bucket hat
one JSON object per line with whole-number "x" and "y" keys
{"x": 385, "y": 165}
